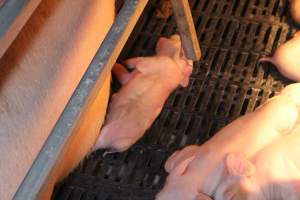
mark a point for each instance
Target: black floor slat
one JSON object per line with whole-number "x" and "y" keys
{"x": 227, "y": 83}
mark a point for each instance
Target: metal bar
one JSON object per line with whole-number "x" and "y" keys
{"x": 13, "y": 15}
{"x": 183, "y": 16}
{"x": 47, "y": 162}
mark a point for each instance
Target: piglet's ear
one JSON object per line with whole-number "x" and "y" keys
{"x": 181, "y": 168}
{"x": 238, "y": 165}
{"x": 132, "y": 63}
{"x": 169, "y": 47}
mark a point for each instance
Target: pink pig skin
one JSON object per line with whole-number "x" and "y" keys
{"x": 295, "y": 10}
{"x": 134, "y": 108}
{"x": 274, "y": 172}
{"x": 286, "y": 59}
{"x": 199, "y": 169}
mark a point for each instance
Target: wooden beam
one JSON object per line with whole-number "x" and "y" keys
{"x": 186, "y": 27}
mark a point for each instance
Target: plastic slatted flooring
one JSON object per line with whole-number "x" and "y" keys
{"x": 225, "y": 84}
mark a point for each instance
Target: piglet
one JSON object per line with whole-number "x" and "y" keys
{"x": 140, "y": 100}
{"x": 198, "y": 170}
{"x": 273, "y": 173}
{"x": 286, "y": 58}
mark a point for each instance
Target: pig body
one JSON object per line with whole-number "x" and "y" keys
{"x": 200, "y": 169}
{"x": 134, "y": 108}
{"x": 38, "y": 74}
{"x": 275, "y": 173}
{"x": 285, "y": 58}
{"x": 295, "y": 10}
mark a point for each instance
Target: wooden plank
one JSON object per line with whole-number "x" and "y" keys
{"x": 46, "y": 169}
{"x": 13, "y": 16}
{"x": 186, "y": 27}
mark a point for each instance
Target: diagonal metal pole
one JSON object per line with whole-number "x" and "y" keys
{"x": 40, "y": 176}
{"x": 186, "y": 27}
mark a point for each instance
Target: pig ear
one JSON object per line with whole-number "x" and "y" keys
{"x": 169, "y": 47}
{"x": 145, "y": 65}
{"x": 131, "y": 63}
{"x": 169, "y": 165}
{"x": 175, "y": 37}
{"x": 179, "y": 156}
{"x": 181, "y": 168}
{"x": 238, "y": 165}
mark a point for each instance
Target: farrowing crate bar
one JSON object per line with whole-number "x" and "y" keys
{"x": 14, "y": 14}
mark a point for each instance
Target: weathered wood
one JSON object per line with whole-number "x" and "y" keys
{"x": 186, "y": 27}
{"x": 164, "y": 9}
{"x": 38, "y": 75}
{"x": 13, "y": 16}
{"x": 65, "y": 137}
{"x": 1, "y": 3}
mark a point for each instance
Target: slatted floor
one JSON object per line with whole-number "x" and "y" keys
{"x": 227, "y": 83}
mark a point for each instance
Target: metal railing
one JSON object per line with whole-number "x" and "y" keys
{"x": 46, "y": 164}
